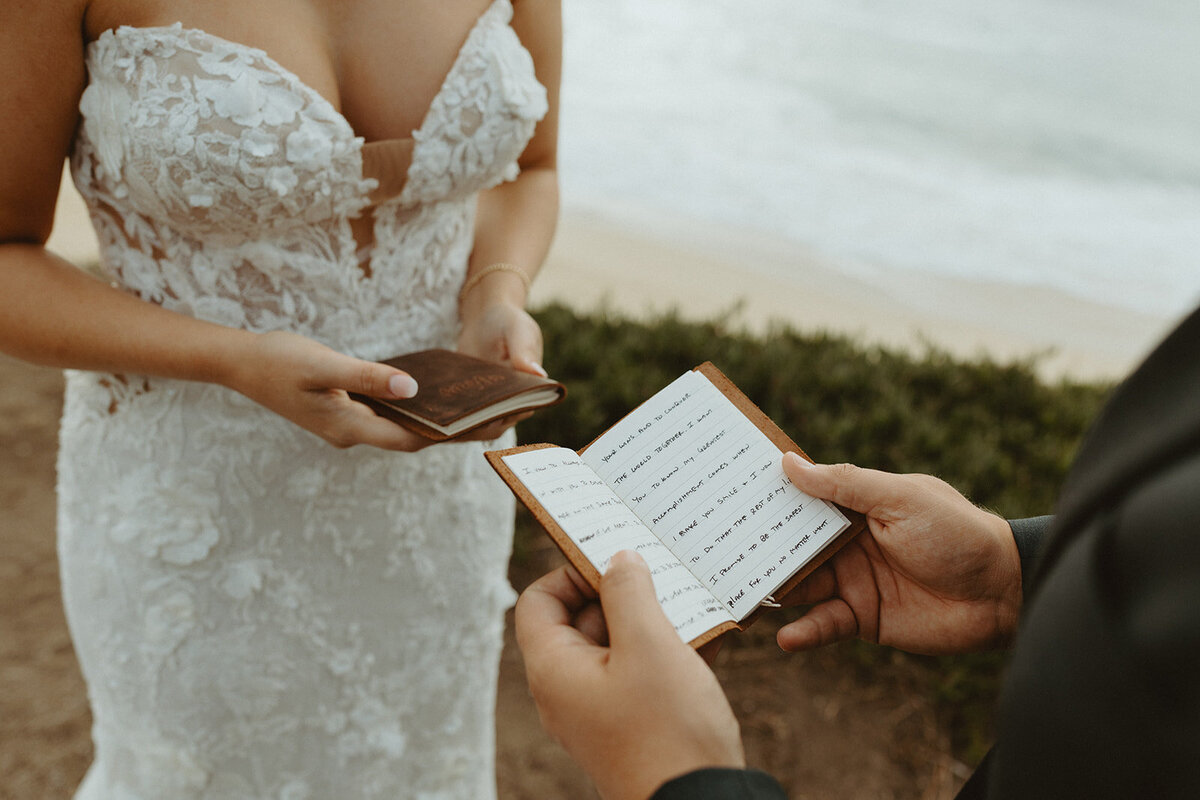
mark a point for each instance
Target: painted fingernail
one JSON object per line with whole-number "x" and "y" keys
{"x": 539, "y": 369}
{"x": 402, "y": 386}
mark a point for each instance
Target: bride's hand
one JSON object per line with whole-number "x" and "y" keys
{"x": 307, "y": 383}
{"x": 502, "y": 331}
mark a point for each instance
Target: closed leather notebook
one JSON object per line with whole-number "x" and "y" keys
{"x": 458, "y": 393}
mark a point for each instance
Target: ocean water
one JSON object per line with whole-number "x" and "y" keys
{"x": 1049, "y": 142}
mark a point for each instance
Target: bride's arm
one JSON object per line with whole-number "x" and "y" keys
{"x": 54, "y": 314}
{"x": 515, "y": 221}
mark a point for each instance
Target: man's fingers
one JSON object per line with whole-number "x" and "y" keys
{"x": 635, "y": 619}
{"x": 548, "y": 605}
{"x": 591, "y": 623}
{"x": 863, "y": 490}
{"x": 820, "y": 585}
{"x": 548, "y": 640}
{"x": 824, "y": 624}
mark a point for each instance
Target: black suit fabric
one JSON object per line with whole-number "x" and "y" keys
{"x": 1102, "y": 695}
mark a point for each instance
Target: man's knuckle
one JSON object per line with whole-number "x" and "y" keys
{"x": 843, "y": 471}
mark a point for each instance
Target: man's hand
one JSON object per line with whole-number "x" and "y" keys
{"x": 933, "y": 574}
{"x": 629, "y": 701}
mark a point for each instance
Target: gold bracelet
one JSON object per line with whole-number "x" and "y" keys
{"x": 501, "y": 266}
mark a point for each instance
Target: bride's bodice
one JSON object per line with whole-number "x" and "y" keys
{"x": 223, "y": 187}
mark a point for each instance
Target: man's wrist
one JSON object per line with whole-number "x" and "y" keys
{"x": 1004, "y": 581}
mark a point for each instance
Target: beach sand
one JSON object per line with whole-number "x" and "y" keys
{"x": 703, "y": 271}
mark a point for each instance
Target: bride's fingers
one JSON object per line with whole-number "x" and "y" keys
{"x": 523, "y": 341}
{"x": 358, "y": 424}
{"x": 829, "y": 622}
{"x": 365, "y": 377}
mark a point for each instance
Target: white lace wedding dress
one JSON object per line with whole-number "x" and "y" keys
{"x": 260, "y": 615}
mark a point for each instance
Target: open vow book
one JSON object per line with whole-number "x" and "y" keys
{"x": 692, "y": 479}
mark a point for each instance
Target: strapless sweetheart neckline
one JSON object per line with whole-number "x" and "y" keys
{"x": 299, "y": 85}
{"x": 387, "y": 162}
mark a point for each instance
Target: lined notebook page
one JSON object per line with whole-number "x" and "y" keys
{"x": 600, "y": 524}
{"x": 712, "y": 486}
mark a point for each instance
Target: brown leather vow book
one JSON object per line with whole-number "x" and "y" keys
{"x": 693, "y": 480}
{"x": 457, "y": 393}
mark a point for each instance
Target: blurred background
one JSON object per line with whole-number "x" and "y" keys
{"x": 1009, "y": 178}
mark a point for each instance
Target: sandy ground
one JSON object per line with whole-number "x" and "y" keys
{"x": 701, "y": 271}
{"x": 817, "y": 721}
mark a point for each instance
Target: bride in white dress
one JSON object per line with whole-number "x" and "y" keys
{"x": 284, "y": 192}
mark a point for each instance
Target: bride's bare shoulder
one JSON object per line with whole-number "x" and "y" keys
{"x": 532, "y": 12}
{"x": 25, "y": 24}
{"x": 47, "y": 12}
{"x": 42, "y": 75}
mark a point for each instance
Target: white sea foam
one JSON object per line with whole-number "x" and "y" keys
{"x": 1052, "y": 142}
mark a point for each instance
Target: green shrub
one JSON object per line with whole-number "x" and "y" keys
{"x": 995, "y": 431}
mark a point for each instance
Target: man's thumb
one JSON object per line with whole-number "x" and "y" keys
{"x": 858, "y": 489}
{"x": 630, "y": 603}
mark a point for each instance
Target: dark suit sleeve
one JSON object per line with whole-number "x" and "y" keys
{"x": 722, "y": 784}
{"x": 1101, "y": 697}
{"x": 1029, "y": 534}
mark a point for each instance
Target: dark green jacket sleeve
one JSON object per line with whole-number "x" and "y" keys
{"x": 1029, "y": 534}
{"x": 722, "y": 784}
